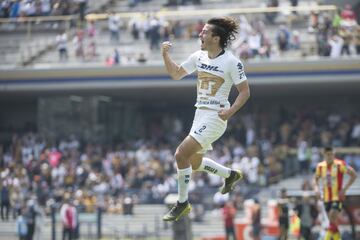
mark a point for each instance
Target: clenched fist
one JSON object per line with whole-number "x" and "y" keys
{"x": 165, "y": 46}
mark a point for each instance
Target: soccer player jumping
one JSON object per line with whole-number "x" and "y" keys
{"x": 218, "y": 69}
{"x": 332, "y": 171}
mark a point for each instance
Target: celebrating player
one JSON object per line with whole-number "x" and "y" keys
{"x": 218, "y": 69}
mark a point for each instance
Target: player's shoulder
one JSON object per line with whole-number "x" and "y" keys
{"x": 200, "y": 53}
{"x": 339, "y": 161}
{"x": 321, "y": 164}
{"x": 230, "y": 56}
{"x": 232, "y": 59}
{"x": 196, "y": 54}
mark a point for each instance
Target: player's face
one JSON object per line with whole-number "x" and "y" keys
{"x": 329, "y": 156}
{"x": 206, "y": 37}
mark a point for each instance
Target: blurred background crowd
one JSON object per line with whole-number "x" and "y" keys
{"x": 266, "y": 147}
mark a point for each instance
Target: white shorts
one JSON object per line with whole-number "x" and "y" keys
{"x": 207, "y": 127}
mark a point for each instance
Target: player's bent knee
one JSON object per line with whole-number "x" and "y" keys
{"x": 179, "y": 155}
{"x": 195, "y": 161}
{"x": 195, "y": 166}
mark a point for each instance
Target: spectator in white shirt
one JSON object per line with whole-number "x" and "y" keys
{"x": 244, "y": 29}
{"x": 45, "y": 7}
{"x": 61, "y": 40}
{"x": 336, "y": 43}
{"x": 114, "y": 27}
{"x": 254, "y": 41}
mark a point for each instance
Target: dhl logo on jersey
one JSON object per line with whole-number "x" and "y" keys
{"x": 210, "y": 68}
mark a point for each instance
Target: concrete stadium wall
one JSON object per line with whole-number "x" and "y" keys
{"x": 290, "y": 73}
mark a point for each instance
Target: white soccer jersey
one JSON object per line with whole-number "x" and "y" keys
{"x": 215, "y": 78}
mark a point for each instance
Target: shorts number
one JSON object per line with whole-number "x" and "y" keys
{"x": 202, "y": 129}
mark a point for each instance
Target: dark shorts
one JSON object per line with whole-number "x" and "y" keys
{"x": 230, "y": 231}
{"x": 256, "y": 229}
{"x": 284, "y": 222}
{"x": 336, "y": 205}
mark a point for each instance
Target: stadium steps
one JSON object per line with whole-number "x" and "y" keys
{"x": 97, "y": 6}
{"x": 39, "y": 55}
{"x": 127, "y": 48}
{"x": 149, "y": 6}
{"x": 17, "y": 49}
{"x": 156, "y": 5}
{"x": 130, "y": 49}
{"x": 7, "y": 230}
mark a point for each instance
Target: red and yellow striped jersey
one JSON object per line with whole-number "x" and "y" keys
{"x": 332, "y": 178}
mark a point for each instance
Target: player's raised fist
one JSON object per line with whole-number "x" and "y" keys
{"x": 165, "y": 46}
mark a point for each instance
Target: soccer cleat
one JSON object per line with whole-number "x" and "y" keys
{"x": 177, "y": 211}
{"x": 230, "y": 182}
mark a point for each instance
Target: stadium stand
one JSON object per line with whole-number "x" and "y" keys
{"x": 302, "y": 36}
{"x": 81, "y": 149}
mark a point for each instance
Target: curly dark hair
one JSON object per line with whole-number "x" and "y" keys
{"x": 225, "y": 28}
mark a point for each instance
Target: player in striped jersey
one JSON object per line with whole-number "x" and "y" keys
{"x": 331, "y": 171}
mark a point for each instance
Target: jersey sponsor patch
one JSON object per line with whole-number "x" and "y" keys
{"x": 209, "y": 67}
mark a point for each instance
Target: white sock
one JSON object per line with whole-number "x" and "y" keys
{"x": 210, "y": 166}
{"x": 184, "y": 176}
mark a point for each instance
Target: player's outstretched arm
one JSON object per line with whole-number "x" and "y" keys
{"x": 316, "y": 187}
{"x": 176, "y": 71}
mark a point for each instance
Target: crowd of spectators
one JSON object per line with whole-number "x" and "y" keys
{"x": 32, "y": 8}
{"x": 327, "y": 34}
{"x": 83, "y": 42}
{"x": 266, "y": 147}
{"x": 260, "y": 36}
{"x": 335, "y": 35}
{"x": 338, "y": 35}
{"x": 254, "y": 41}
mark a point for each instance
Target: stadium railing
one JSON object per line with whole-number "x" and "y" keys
{"x": 31, "y": 23}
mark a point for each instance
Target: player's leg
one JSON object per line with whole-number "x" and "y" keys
{"x": 183, "y": 153}
{"x": 332, "y": 236}
{"x": 185, "y": 150}
{"x": 333, "y": 231}
{"x": 324, "y": 220}
{"x": 283, "y": 233}
{"x": 206, "y": 131}
{"x": 336, "y": 236}
{"x": 205, "y": 164}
